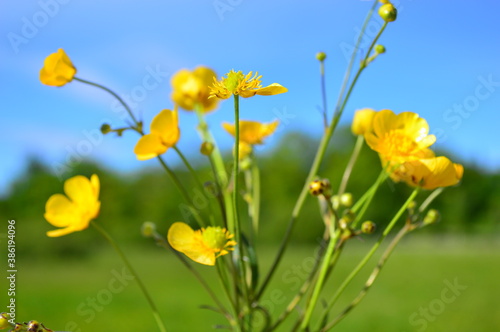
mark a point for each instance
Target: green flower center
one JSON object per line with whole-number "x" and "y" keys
{"x": 214, "y": 237}
{"x": 233, "y": 79}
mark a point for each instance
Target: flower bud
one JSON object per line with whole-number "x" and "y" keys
{"x": 4, "y": 321}
{"x": 206, "y": 148}
{"x": 320, "y": 187}
{"x": 106, "y": 129}
{"x": 368, "y": 227}
{"x": 431, "y": 217}
{"x": 362, "y": 121}
{"x": 379, "y": 49}
{"x": 148, "y": 229}
{"x": 388, "y": 12}
{"x": 321, "y": 56}
{"x": 348, "y": 216}
{"x": 346, "y": 199}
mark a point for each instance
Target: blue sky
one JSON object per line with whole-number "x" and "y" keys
{"x": 442, "y": 62}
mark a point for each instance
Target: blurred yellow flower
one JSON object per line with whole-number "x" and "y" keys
{"x": 192, "y": 87}
{"x": 252, "y": 132}
{"x": 236, "y": 83}
{"x": 429, "y": 173}
{"x": 362, "y": 122}
{"x": 75, "y": 210}
{"x": 202, "y": 246}
{"x": 57, "y": 69}
{"x": 399, "y": 138}
{"x": 164, "y": 134}
{"x": 244, "y": 150}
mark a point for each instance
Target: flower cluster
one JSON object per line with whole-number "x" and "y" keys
{"x": 403, "y": 142}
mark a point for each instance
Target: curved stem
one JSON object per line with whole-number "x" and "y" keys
{"x": 371, "y": 252}
{"x": 159, "y": 322}
{"x": 350, "y": 165}
{"x": 124, "y": 104}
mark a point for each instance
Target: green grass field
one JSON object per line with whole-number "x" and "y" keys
{"x": 95, "y": 295}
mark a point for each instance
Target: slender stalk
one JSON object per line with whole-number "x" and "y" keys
{"x": 183, "y": 192}
{"x": 159, "y": 322}
{"x": 365, "y": 201}
{"x": 124, "y": 104}
{"x": 323, "y": 93}
{"x": 320, "y": 154}
{"x": 374, "y": 248}
{"x": 350, "y": 165}
{"x": 430, "y": 198}
{"x": 321, "y": 279}
{"x": 373, "y": 276}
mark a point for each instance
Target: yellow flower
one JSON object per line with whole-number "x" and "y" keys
{"x": 57, "y": 69}
{"x": 192, "y": 87}
{"x": 236, "y": 83}
{"x": 399, "y": 138}
{"x": 252, "y": 132}
{"x": 75, "y": 211}
{"x": 202, "y": 246}
{"x": 164, "y": 134}
{"x": 429, "y": 173}
{"x": 244, "y": 150}
{"x": 362, "y": 122}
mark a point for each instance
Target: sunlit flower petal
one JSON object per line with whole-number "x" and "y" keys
{"x": 165, "y": 133}
{"x": 75, "y": 211}
{"x": 57, "y": 69}
{"x": 252, "y": 132}
{"x": 399, "y": 138}
{"x": 236, "y": 83}
{"x": 430, "y": 173}
{"x": 362, "y": 122}
{"x": 192, "y": 87}
{"x": 202, "y": 246}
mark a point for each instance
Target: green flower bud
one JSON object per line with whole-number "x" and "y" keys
{"x": 106, "y": 129}
{"x": 348, "y": 215}
{"x": 148, "y": 229}
{"x": 321, "y": 56}
{"x": 388, "y": 12}
{"x": 431, "y": 217}
{"x": 379, "y": 49}
{"x": 346, "y": 199}
{"x": 206, "y": 148}
{"x": 335, "y": 202}
{"x": 368, "y": 227}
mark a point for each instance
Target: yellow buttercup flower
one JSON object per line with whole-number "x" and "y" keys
{"x": 164, "y": 134}
{"x": 192, "y": 87}
{"x": 252, "y": 132}
{"x": 75, "y": 210}
{"x": 429, "y": 173}
{"x": 202, "y": 246}
{"x": 399, "y": 138}
{"x": 362, "y": 122}
{"x": 57, "y": 69}
{"x": 236, "y": 83}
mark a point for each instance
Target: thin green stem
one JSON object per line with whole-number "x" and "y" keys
{"x": 138, "y": 126}
{"x": 321, "y": 280}
{"x": 429, "y": 199}
{"x": 350, "y": 165}
{"x": 183, "y": 192}
{"x": 323, "y": 93}
{"x": 374, "y": 248}
{"x": 371, "y": 279}
{"x": 365, "y": 201}
{"x": 159, "y": 322}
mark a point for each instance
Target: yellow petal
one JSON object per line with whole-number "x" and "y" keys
{"x": 230, "y": 128}
{"x": 94, "y": 182}
{"x": 183, "y": 239}
{"x": 61, "y": 232}
{"x": 149, "y": 146}
{"x": 165, "y": 125}
{"x": 60, "y": 211}
{"x": 252, "y": 132}
{"x": 57, "y": 69}
{"x": 362, "y": 122}
{"x": 80, "y": 191}
{"x": 272, "y": 89}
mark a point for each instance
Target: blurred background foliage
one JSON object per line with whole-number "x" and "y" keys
{"x": 149, "y": 195}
